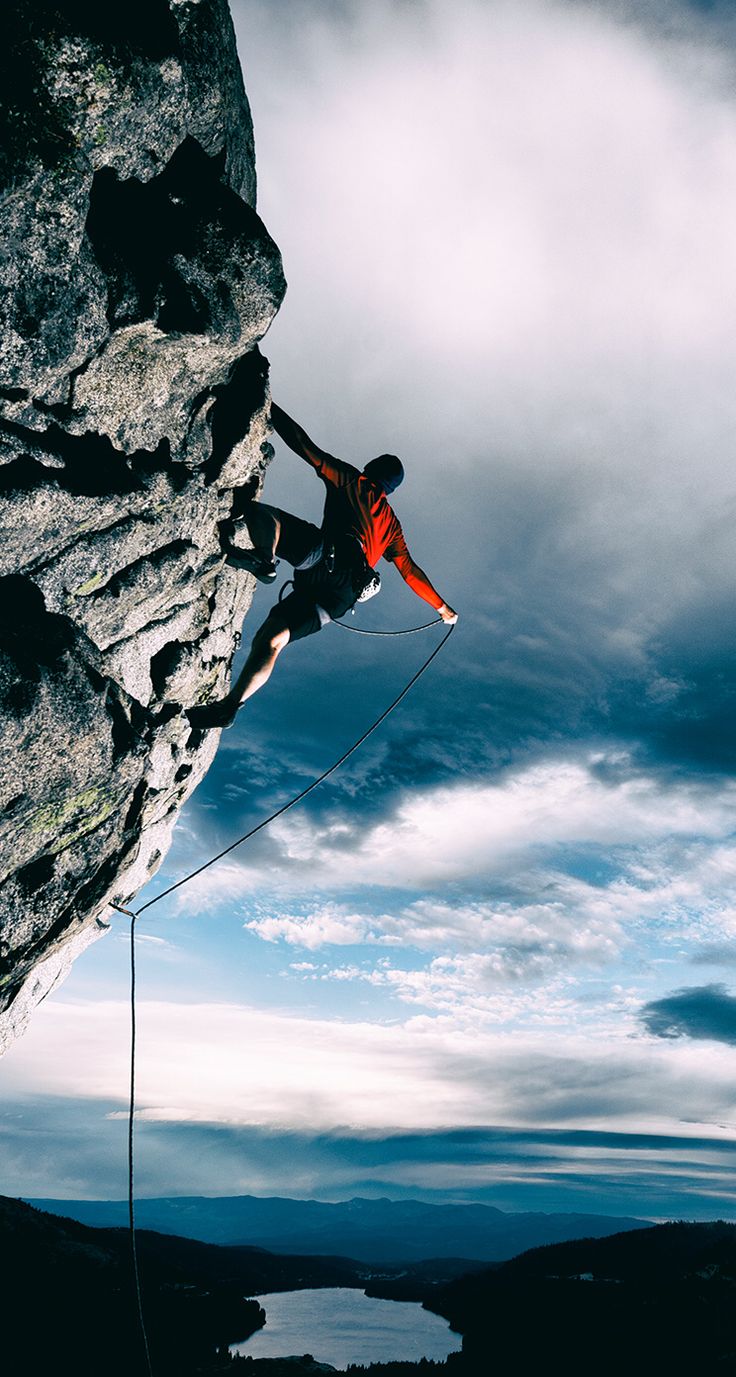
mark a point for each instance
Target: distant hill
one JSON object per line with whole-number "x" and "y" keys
{"x": 370, "y": 1230}
{"x": 657, "y": 1300}
{"x": 69, "y": 1306}
{"x": 667, "y": 1251}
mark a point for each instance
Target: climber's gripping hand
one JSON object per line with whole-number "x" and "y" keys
{"x": 447, "y": 614}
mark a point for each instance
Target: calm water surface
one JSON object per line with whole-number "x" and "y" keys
{"x": 340, "y": 1325}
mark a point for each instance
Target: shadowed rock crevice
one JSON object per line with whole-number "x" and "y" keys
{"x": 146, "y": 235}
{"x": 37, "y": 874}
{"x": 125, "y": 732}
{"x": 133, "y": 428}
{"x": 91, "y": 464}
{"x": 27, "y": 629}
{"x": 124, "y": 580}
{"x": 163, "y": 665}
{"x": 236, "y": 404}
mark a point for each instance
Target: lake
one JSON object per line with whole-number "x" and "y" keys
{"x": 341, "y": 1325}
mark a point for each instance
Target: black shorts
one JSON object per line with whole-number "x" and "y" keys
{"x": 298, "y": 539}
{"x": 299, "y": 614}
{"x": 318, "y": 595}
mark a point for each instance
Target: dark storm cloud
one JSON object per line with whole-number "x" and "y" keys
{"x": 694, "y": 658}
{"x": 702, "y": 1011}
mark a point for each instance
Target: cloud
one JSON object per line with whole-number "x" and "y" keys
{"x": 703, "y": 1011}
{"x": 471, "y": 988}
{"x": 525, "y": 225}
{"x": 327, "y": 926}
{"x": 553, "y": 872}
{"x": 454, "y": 832}
{"x": 448, "y": 833}
{"x": 664, "y": 897}
{"x": 235, "y": 1065}
{"x": 493, "y": 187}
{"x": 521, "y": 939}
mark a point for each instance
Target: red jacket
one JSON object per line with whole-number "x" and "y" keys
{"x": 354, "y": 505}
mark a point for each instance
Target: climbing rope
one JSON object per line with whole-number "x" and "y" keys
{"x": 409, "y": 630}
{"x": 131, "y": 1142}
{"x": 131, "y": 1155}
{"x": 134, "y": 915}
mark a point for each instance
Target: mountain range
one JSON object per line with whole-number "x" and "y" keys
{"x": 367, "y": 1230}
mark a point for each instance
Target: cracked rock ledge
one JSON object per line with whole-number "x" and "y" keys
{"x": 136, "y": 280}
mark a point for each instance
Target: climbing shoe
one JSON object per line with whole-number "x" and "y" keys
{"x": 264, "y": 569}
{"x": 212, "y": 715}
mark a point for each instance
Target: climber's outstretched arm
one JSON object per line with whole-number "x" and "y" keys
{"x": 328, "y": 467}
{"x": 420, "y": 584}
{"x": 296, "y": 438}
{"x": 416, "y": 578}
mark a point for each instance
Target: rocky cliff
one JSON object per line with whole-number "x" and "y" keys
{"x": 136, "y": 280}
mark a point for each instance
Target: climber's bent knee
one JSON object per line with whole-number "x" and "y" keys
{"x": 278, "y": 640}
{"x": 271, "y": 639}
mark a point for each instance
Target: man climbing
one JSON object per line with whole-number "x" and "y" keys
{"x": 333, "y": 567}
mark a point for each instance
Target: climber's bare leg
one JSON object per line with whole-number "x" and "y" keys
{"x": 268, "y": 643}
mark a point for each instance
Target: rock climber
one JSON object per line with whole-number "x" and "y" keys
{"x": 333, "y": 567}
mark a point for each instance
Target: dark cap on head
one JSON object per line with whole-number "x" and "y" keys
{"x": 387, "y": 470}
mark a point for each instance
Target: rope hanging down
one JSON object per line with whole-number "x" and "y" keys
{"x": 135, "y": 914}
{"x": 131, "y": 1157}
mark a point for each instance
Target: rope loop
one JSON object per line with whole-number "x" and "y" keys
{"x": 408, "y": 631}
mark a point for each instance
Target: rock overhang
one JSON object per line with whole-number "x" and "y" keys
{"x": 136, "y": 281}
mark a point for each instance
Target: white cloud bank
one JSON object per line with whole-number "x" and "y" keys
{"x": 507, "y": 830}
{"x": 452, "y": 833}
{"x": 511, "y": 917}
{"x": 234, "y": 1065}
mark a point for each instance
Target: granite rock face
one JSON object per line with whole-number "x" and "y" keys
{"x": 136, "y": 281}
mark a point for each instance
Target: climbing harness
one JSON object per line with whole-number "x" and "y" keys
{"x": 346, "y": 558}
{"x": 134, "y": 915}
{"x": 361, "y": 630}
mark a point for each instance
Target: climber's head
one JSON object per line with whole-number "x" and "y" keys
{"x": 387, "y": 470}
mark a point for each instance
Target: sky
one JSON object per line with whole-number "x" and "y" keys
{"x": 493, "y": 958}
